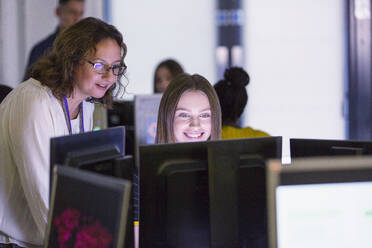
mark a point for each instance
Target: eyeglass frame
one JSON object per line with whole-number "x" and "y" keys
{"x": 108, "y": 68}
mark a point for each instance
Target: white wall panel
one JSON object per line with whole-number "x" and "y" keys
{"x": 155, "y": 30}
{"x": 296, "y": 57}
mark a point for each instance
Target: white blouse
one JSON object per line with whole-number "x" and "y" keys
{"x": 29, "y": 116}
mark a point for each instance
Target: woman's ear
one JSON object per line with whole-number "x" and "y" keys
{"x": 58, "y": 11}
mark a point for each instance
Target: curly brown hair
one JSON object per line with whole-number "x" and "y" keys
{"x": 56, "y": 69}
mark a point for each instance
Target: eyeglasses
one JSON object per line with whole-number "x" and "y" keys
{"x": 102, "y": 68}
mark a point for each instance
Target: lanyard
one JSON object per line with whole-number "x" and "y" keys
{"x": 68, "y": 119}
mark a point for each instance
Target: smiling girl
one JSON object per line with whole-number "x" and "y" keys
{"x": 189, "y": 111}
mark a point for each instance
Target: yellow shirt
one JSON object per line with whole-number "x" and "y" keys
{"x": 229, "y": 132}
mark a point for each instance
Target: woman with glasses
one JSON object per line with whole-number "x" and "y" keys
{"x": 85, "y": 65}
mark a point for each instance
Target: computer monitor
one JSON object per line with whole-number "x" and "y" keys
{"x": 320, "y": 202}
{"x": 322, "y": 147}
{"x": 91, "y": 148}
{"x": 101, "y": 152}
{"x": 145, "y": 118}
{"x": 122, "y": 114}
{"x": 61, "y": 147}
{"x": 87, "y": 210}
{"x": 200, "y": 194}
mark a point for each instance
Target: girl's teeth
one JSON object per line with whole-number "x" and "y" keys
{"x": 194, "y": 135}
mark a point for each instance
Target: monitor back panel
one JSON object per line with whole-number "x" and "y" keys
{"x": 175, "y": 192}
{"x": 61, "y": 146}
{"x": 319, "y": 148}
{"x": 187, "y": 209}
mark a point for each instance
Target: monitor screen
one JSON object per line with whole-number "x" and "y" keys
{"x": 182, "y": 184}
{"x": 122, "y": 114}
{"x": 87, "y": 210}
{"x": 320, "y": 147}
{"x": 321, "y": 203}
{"x": 146, "y": 117}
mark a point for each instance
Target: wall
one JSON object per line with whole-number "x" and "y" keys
{"x": 155, "y": 30}
{"x": 11, "y": 42}
{"x": 296, "y": 57}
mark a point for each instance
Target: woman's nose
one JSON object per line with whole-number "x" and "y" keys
{"x": 110, "y": 76}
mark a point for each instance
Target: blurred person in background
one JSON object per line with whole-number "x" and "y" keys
{"x": 68, "y": 12}
{"x": 164, "y": 73}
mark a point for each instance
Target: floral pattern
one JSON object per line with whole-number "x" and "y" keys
{"x": 78, "y": 231}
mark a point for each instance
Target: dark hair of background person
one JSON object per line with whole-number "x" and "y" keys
{"x": 173, "y": 67}
{"x": 63, "y": 2}
{"x": 56, "y": 70}
{"x": 4, "y": 91}
{"x": 232, "y": 94}
{"x": 168, "y": 105}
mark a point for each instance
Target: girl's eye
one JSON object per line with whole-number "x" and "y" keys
{"x": 183, "y": 115}
{"x": 205, "y": 115}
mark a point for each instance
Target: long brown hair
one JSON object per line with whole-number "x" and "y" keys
{"x": 56, "y": 69}
{"x": 169, "y": 101}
